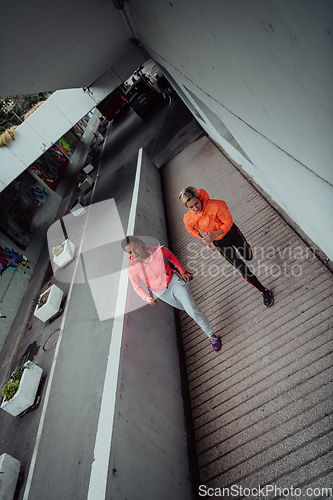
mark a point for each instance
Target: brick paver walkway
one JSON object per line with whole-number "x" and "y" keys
{"x": 262, "y": 406}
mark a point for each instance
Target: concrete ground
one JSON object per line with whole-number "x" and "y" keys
{"x": 261, "y": 406}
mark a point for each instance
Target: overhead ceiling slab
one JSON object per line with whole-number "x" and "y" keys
{"x": 58, "y": 45}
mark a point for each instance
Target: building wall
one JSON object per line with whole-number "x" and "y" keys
{"x": 258, "y": 73}
{"x": 261, "y": 71}
{"x": 59, "y": 114}
{"x": 15, "y": 281}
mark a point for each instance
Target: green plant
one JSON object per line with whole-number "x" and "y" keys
{"x": 10, "y": 389}
{"x": 82, "y": 176}
{"x": 57, "y": 250}
{"x": 13, "y": 108}
{"x": 17, "y": 373}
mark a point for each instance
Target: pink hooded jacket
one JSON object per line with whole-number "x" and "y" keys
{"x": 156, "y": 274}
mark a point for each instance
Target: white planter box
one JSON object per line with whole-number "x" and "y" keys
{"x": 26, "y": 394}
{"x": 66, "y": 255}
{"x": 52, "y": 305}
{"x": 77, "y": 210}
{"x": 9, "y": 471}
{"x": 88, "y": 168}
{"x": 86, "y": 184}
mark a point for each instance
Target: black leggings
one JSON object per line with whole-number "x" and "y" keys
{"x": 227, "y": 246}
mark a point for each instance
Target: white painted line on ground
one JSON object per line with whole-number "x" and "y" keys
{"x": 100, "y": 465}
{"x": 54, "y": 362}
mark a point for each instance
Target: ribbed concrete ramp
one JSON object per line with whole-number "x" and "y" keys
{"x": 262, "y": 406}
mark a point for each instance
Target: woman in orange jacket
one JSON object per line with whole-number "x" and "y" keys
{"x": 213, "y": 218}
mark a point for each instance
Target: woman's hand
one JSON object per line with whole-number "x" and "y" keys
{"x": 211, "y": 248}
{"x": 208, "y": 238}
{"x": 186, "y": 276}
{"x": 152, "y": 301}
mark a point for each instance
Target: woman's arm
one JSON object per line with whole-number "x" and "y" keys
{"x": 136, "y": 282}
{"x": 173, "y": 259}
{"x": 220, "y": 210}
{"x": 190, "y": 227}
{"x": 207, "y": 240}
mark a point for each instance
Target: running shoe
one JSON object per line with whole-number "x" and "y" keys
{"x": 216, "y": 344}
{"x": 267, "y": 297}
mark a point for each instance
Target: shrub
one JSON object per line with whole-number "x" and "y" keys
{"x": 17, "y": 373}
{"x": 57, "y": 250}
{"x": 7, "y": 136}
{"x": 10, "y": 389}
{"x": 82, "y": 176}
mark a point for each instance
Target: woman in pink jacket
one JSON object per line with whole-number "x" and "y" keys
{"x": 148, "y": 265}
{"x": 213, "y": 219}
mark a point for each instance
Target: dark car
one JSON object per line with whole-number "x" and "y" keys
{"x": 113, "y": 104}
{"x": 141, "y": 97}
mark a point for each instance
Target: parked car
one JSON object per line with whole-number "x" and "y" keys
{"x": 113, "y": 104}
{"x": 141, "y": 97}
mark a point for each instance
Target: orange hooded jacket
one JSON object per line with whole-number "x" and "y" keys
{"x": 213, "y": 216}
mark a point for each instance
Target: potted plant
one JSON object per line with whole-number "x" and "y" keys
{"x": 88, "y": 168}
{"x": 20, "y": 391}
{"x": 64, "y": 253}
{"x": 9, "y": 472}
{"x": 85, "y": 181}
{"x": 11, "y": 387}
{"x": 82, "y": 176}
{"x": 78, "y": 207}
{"x": 48, "y": 303}
{"x": 56, "y": 250}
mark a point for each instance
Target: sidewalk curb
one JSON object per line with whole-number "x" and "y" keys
{"x": 8, "y": 354}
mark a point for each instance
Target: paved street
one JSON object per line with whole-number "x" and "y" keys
{"x": 58, "y": 437}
